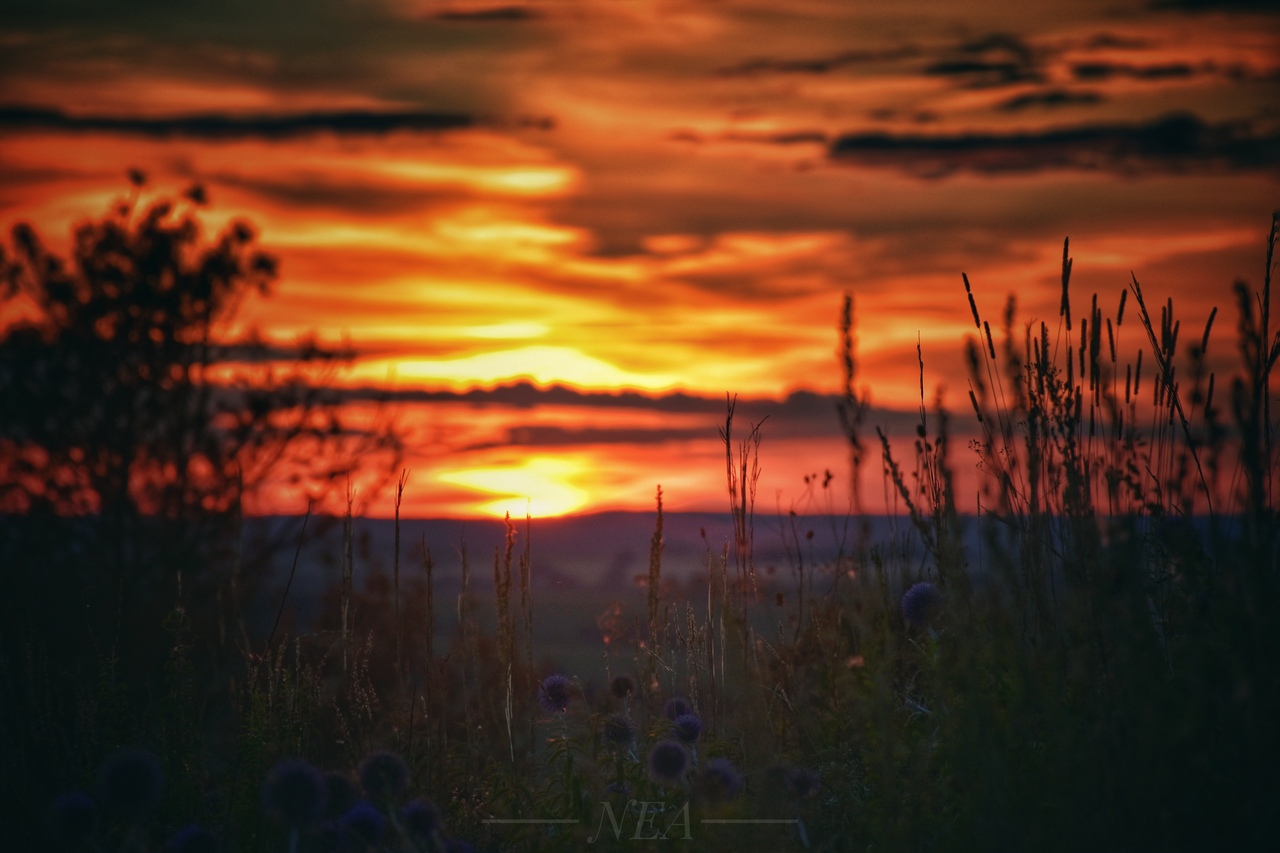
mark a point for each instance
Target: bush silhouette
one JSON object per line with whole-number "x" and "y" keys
{"x": 135, "y": 426}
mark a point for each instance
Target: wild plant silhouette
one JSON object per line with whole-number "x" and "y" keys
{"x": 1097, "y": 673}
{"x": 134, "y": 429}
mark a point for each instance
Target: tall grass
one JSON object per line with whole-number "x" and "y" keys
{"x": 1099, "y": 673}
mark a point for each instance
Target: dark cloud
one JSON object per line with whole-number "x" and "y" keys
{"x": 818, "y": 65}
{"x": 1177, "y": 143}
{"x": 982, "y": 74}
{"x": 223, "y": 126}
{"x": 554, "y": 436}
{"x": 526, "y": 395}
{"x": 1050, "y": 98}
{"x": 998, "y": 59}
{"x": 1268, "y": 6}
{"x": 259, "y": 352}
{"x": 1107, "y": 41}
{"x": 892, "y": 114}
{"x": 789, "y": 137}
{"x": 493, "y": 13}
{"x": 801, "y": 414}
{"x": 1108, "y": 70}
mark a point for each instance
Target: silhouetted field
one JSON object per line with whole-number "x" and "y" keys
{"x": 1087, "y": 663}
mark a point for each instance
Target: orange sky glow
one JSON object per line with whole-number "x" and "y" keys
{"x": 668, "y": 197}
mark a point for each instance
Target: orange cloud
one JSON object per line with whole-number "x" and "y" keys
{"x": 647, "y": 195}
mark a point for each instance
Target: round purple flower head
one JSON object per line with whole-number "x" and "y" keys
{"x": 294, "y": 794}
{"x": 619, "y": 729}
{"x": 384, "y": 776}
{"x": 421, "y": 819}
{"x": 554, "y": 693}
{"x": 677, "y": 706}
{"x": 622, "y": 686}
{"x": 340, "y": 794}
{"x": 920, "y": 602}
{"x": 131, "y": 782}
{"x": 719, "y": 780}
{"x": 668, "y": 761}
{"x": 192, "y": 839}
{"x": 803, "y": 783}
{"x": 363, "y": 822}
{"x": 73, "y": 816}
{"x": 687, "y": 727}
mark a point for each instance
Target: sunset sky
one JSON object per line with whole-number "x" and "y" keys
{"x": 517, "y": 211}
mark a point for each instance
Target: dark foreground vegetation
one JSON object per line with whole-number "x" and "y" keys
{"x": 1099, "y": 674}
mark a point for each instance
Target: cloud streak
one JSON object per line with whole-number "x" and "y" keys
{"x": 214, "y": 126}
{"x": 1051, "y": 99}
{"x": 995, "y": 60}
{"x": 1258, "y": 6}
{"x": 820, "y": 64}
{"x": 718, "y": 176}
{"x": 490, "y": 13}
{"x": 1173, "y": 144}
{"x": 799, "y": 414}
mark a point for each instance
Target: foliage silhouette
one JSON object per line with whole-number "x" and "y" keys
{"x": 135, "y": 424}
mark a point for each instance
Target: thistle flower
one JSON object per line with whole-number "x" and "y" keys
{"x": 131, "y": 783}
{"x": 803, "y": 784}
{"x": 384, "y": 776}
{"x": 192, "y": 839}
{"x": 668, "y": 761}
{"x": 73, "y": 816}
{"x": 622, "y": 686}
{"x": 619, "y": 729}
{"x": 920, "y": 602}
{"x": 363, "y": 822}
{"x": 554, "y": 693}
{"x": 294, "y": 794}
{"x": 340, "y": 794}
{"x": 687, "y": 727}
{"x": 421, "y": 820}
{"x": 677, "y": 706}
{"x": 719, "y": 780}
